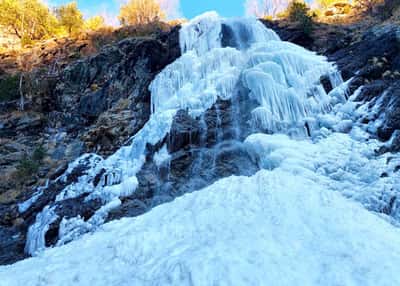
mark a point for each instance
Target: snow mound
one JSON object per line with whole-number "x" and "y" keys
{"x": 336, "y": 163}
{"x": 275, "y": 228}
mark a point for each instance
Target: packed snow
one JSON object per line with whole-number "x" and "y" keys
{"x": 275, "y": 228}
{"x": 337, "y": 163}
{"x": 319, "y": 212}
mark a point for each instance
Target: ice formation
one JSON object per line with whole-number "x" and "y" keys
{"x": 297, "y": 221}
{"x": 24, "y": 206}
{"x": 279, "y": 75}
{"x": 37, "y": 231}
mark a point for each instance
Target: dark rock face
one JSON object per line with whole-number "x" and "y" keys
{"x": 324, "y": 39}
{"x": 370, "y": 91}
{"x": 93, "y": 104}
{"x": 185, "y": 131}
{"x": 119, "y": 75}
{"x": 290, "y": 33}
{"x": 391, "y": 111}
{"x": 202, "y": 150}
{"x": 375, "y": 53}
{"x": 12, "y": 243}
{"x": 376, "y": 68}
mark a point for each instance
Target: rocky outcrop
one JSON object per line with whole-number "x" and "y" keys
{"x": 376, "y": 69}
{"x": 324, "y": 38}
{"x": 391, "y": 108}
{"x": 202, "y": 150}
{"x": 93, "y": 104}
{"x": 371, "y": 60}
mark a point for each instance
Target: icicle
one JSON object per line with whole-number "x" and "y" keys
{"x": 111, "y": 177}
{"x": 35, "y": 241}
{"x": 335, "y": 78}
{"x": 218, "y": 124}
{"x": 201, "y": 34}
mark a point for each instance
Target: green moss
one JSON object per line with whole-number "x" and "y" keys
{"x": 9, "y": 88}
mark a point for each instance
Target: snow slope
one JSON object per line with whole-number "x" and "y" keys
{"x": 274, "y": 228}
{"x": 336, "y": 162}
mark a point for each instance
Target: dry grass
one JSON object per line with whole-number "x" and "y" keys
{"x": 60, "y": 51}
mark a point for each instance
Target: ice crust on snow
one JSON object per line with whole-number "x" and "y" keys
{"x": 338, "y": 163}
{"x": 274, "y": 228}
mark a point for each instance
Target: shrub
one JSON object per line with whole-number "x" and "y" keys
{"x": 94, "y": 23}
{"x": 324, "y": 4}
{"x": 27, "y": 19}
{"x": 9, "y": 88}
{"x": 27, "y": 168}
{"x": 299, "y": 12}
{"x": 38, "y": 154}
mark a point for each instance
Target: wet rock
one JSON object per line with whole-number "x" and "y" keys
{"x": 372, "y": 90}
{"x": 360, "y": 55}
{"x": 93, "y": 104}
{"x": 202, "y": 150}
{"x": 69, "y": 209}
{"x": 12, "y": 243}
{"x": 185, "y": 131}
{"x": 391, "y": 112}
{"x": 130, "y": 208}
{"x": 393, "y": 145}
{"x": 326, "y": 83}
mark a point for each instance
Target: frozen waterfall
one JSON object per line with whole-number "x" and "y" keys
{"x": 219, "y": 57}
{"x": 318, "y": 211}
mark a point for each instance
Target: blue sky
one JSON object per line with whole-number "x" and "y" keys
{"x": 227, "y": 8}
{"x": 188, "y": 8}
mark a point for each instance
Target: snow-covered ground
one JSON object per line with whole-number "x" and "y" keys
{"x": 275, "y": 228}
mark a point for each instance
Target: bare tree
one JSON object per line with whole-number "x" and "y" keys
{"x": 140, "y": 12}
{"x": 262, "y": 8}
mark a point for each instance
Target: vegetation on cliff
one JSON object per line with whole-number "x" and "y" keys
{"x": 33, "y": 20}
